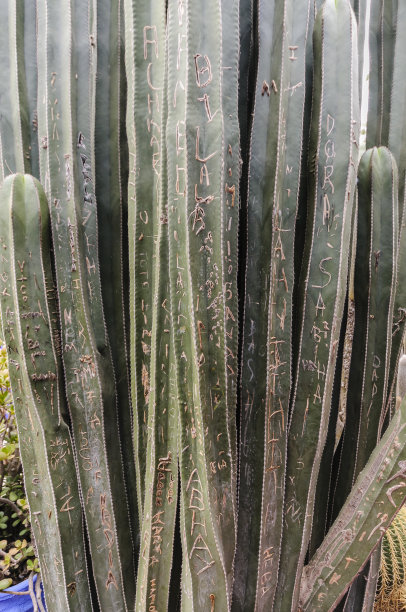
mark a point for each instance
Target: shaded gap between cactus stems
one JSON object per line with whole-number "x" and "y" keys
{"x": 243, "y": 219}
{"x": 175, "y": 590}
{"x": 354, "y": 596}
{"x": 92, "y": 584}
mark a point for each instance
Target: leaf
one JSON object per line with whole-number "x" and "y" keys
{"x": 4, "y": 584}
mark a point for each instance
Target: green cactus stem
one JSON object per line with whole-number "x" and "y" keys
{"x": 18, "y": 146}
{"x": 382, "y": 31}
{"x": 375, "y": 265}
{"x": 323, "y": 283}
{"x": 375, "y": 499}
{"x": 200, "y": 213}
{"x": 111, "y": 176}
{"x": 67, "y": 174}
{"x": 30, "y": 327}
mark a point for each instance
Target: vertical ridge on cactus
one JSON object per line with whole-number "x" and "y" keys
{"x": 252, "y": 418}
{"x": 281, "y": 190}
{"x": 161, "y": 476}
{"x": 15, "y": 132}
{"x": 196, "y": 216}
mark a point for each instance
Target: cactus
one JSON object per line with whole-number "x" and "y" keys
{"x": 396, "y": 144}
{"x": 202, "y": 225}
{"x": 391, "y": 593}
{"x": 332, "y": 155}
{"x": 382, "y": 33}
{"x": 196, "y": 301}
{"x": 29, "y": 317}
{"x": 152, "y": 366}
{"x": 375, "y": 498}
{"x": 377, "y": 233}
{"x": 18, "y": 146}
{"x": 111, "y": 175}
{"x": 67, "y": 174}
{"x": 273, "y": 196}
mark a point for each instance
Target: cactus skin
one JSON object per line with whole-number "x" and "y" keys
{"x": 8, "y": 141}
{"x": 360, "y": 12}
{"x": 176, "y": 158}
{"x": 381, "y": 52}
{"x": 184, "y": 217}
{"x": 231, "y": 188}
{"x": 320, "y": 522}
{"x": 399, "y": 309}
{"x": 152, "y": 352}
{"x": 397, "y": 119}
{"x": 247, "y": 70}
{"x": 111, "y": 163}
{"x": 397, "y": 146}
{"x": 30, "y": 328}
{"x": 31, "y": 78}
{"x": 375, "y": 260}
{"x": 283, "y": 179}
{"x": 145, "y": 68}
{"x": 375, "y": 264}
{"x": 15, "y": 132}
{"x": 67, "y": 176}
{"x": 252, "y": 423}
{"x": 197, "y": 213}
{"x": 161, "y": 477}
{"x": 18, "y": 89}
{"x": 376, "y": 497}
{"x": 332, "y": 184}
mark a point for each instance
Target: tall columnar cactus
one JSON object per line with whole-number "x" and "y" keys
{"x": 266, "y": 356}
{"x": 152, "y": 363}
{"x": 30, "y": 323}
{"x": 377, "y": 495}
{"x": 396, "y": 142}
{"x": 375, "y": 262}
{"x": 202, "y": 221}
{"x": 110, "y": 178}
{"x": 178, "y": 349}
{"x": 67, "y": 173}
{"x": 18, "y": 136}
{"x": 322, "y": 286}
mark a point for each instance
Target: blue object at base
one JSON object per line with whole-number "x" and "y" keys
{"x": 18, "y": 603}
